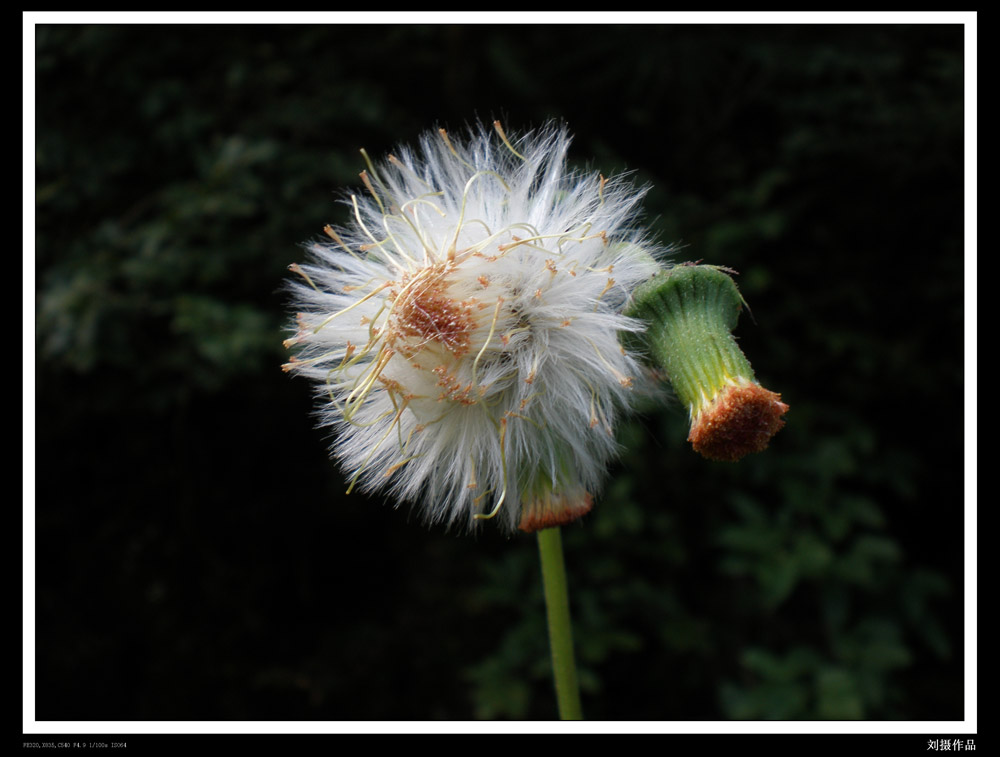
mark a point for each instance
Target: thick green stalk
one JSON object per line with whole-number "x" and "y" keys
{"x": 560, "y": 626}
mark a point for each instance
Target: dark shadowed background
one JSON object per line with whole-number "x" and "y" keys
{"x": 196, "y": 557}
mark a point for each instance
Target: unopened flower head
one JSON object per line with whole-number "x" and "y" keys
{"x": 692, "y": 310}
{"x": 463, "y": 331}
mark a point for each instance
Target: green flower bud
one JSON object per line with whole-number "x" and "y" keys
{"x": 691, "y": 311}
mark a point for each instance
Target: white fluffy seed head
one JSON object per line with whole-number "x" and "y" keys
{"x": 463, "y": 332}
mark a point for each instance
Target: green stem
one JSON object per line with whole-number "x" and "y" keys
{"x": 560, "y": 626}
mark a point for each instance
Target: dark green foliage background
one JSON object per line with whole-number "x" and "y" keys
{"x": 196, "y": 557}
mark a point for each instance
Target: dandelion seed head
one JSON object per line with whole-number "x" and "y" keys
{"x": 463, "y": 331}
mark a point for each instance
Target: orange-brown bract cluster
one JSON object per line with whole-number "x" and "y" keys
{"x": 741, "y": 419}
{"x": 551, "y": 510}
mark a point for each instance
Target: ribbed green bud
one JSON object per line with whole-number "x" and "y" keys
{"x": 691, "y": 311}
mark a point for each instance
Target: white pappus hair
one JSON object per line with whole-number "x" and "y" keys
{"x": 463, "y": 333}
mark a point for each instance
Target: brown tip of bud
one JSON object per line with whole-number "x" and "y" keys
{"x": 553, "y": 510}
{"x": 740, "y": 420}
